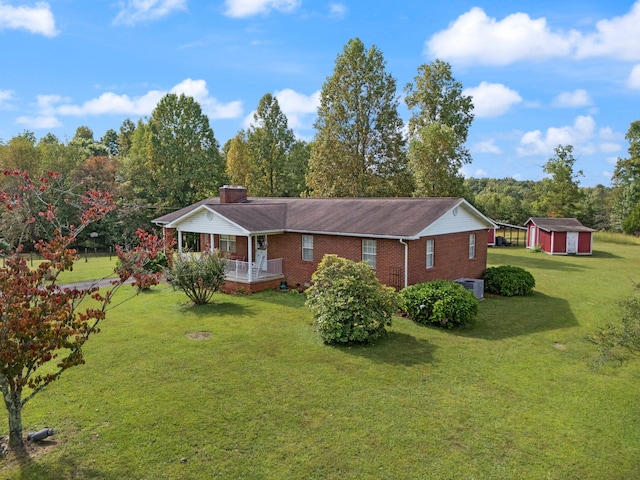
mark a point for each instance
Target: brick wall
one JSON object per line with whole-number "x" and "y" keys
{"x": 451, "y": 259}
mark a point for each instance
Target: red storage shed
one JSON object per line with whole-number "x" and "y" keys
{"x": 559, "y": 236}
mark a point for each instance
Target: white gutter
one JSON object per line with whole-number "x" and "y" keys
{"x": 406, "y": 262}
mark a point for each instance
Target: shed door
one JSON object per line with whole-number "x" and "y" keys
{"x": 572, "y": 243}
{"x": 532, "y": 236}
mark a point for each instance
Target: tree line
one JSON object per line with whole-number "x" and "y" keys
{"x": 361, "y": 148}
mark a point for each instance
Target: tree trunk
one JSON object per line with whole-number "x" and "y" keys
{"x": 12, "y": 400}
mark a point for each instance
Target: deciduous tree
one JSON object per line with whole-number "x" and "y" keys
{"x": 359, "y": 148}
{"x": 626, "y": 180}
{"x": 269, "y": 142}
{"x": 174, "y": 160}
{"x": 43, "y": 325}
{"x": 440, "y": 120}
{"x": 559, "y": 195}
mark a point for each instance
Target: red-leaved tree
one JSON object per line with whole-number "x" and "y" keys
{"x": 42, "y": 321}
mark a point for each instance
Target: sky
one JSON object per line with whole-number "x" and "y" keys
{"x": 541, "y": 74}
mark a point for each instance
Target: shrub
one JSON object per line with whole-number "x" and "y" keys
{"x": 348, "y": 302}
{"x": 508, "y": 281}
{"x": 440, "y": 302}
{"x": 198, "y": 276}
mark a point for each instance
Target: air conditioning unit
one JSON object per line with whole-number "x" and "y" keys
{"x": 473, "y": 284}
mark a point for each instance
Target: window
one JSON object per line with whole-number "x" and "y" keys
{"x": 228, "y": 243}
{"x": 430, "y": 252}
{"x": 472, "y": 245}
{"x": 307, "y": 248}
{"x": 369, "y": 252}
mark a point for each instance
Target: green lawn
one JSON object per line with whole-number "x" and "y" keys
{"x": 513, "y": 397}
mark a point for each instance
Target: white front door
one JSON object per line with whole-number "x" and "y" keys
{"x": 572, "y": 243}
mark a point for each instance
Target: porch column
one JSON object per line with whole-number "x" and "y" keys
{"x": 179, "y": 241}
{"x": 211, "y": 249}
{"x": 250, "y": 257}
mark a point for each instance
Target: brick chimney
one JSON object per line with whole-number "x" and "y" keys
{"x": 233, "y": 194}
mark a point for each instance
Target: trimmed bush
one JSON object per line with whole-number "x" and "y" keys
{"x": 348, "y": 302}
{"x": 508, "y": 281}
{"x": 198, "y": 276}
{"x": 440, "y": 302}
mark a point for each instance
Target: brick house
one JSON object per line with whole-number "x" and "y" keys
{"x": 274, "y": 240}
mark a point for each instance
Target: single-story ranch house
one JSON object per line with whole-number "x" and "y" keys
{"x": 274, "y": 240}
{"x": 559, "y": 236}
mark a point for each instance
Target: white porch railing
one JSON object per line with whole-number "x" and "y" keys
{"x": 239, "y": 270}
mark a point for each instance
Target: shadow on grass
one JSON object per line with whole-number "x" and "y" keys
{"x": 66, "y": 467}
{"x": 602, "y": 254}
{"x": 505, "y": 317}
{"x": 396, "y": 349}
{"x": 217, "y": 308}
{"x": 538, "y": 260}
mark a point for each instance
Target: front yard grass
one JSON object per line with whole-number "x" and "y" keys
{"x": 513, "y": 396}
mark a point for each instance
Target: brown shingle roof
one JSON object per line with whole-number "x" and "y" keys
{"x": 560, "y": 224}
{"x": 383, "y": 217}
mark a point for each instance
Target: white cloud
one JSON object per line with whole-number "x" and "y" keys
{"x": 580, "y": 134}
{"x": 474, "y": 37}
{"x": 337, "y": 10}
{"x": 480, "y": 173}
{"x": 5, "y": 97}
{"x": 135, "y": 11}
{"x": 516, "y": 176}
{"x": 298, "y": 108}
{"x": 608, "y": 147}
{"x": 492, "y": 99}
{"x": 110, "y": 103}
{"x": 488, "y": 146}
{"x": 634, "y": 78}
{"x": 39, "y": 122}
{"x": 618, "y": 37}
{"x": 577, "y": 98}
{"x": 210, "y": 105}
{"x": 248, "y": 8}
{"x": 38, "y": 19}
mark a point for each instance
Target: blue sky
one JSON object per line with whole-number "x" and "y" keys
{"x": 541, "y": 73}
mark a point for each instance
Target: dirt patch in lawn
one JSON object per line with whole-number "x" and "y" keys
{"x": 198, "y": 335}
{"x": 32, "y": 451}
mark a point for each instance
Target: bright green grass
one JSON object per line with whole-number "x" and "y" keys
{"x": 513, "y": 397}
{"x": 88, "y": 267}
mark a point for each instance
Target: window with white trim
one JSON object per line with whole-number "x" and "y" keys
{"x": 369, "y": 252}
{"x": 472, "y": 245}
{"x": 227, "y": 243}
{"x": 430, "y": 252}
{"x": 307, "y": 248}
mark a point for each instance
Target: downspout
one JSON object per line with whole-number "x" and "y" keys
{"x": 406, "y": 262}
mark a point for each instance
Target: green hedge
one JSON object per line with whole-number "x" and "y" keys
{"x": 441, "y": 302}
{"x": 508, "y": 281}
